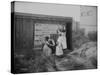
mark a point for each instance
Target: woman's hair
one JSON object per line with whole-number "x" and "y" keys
{"x": 46, "y": 38}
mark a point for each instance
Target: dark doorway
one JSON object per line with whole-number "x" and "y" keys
{"x": 69, "y": 35}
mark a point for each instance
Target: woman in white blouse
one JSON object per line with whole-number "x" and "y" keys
{"x": 61, "y": 43}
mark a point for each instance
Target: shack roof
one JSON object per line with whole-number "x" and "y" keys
{"x": 43, "y": 17}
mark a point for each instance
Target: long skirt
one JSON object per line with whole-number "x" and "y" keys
{"x": 46, "y": 50}
{"x": 59, "y": 51}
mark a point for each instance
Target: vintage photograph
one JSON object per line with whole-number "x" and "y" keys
{"x": 48, "y": 37}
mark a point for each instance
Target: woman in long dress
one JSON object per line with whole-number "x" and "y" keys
{"x": 46, "y": 49}
{"x": 61, "y": 42}
{"x": 59, "y": 50}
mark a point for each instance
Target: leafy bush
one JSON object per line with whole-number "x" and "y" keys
{"x": 78, "y": 38}
{"x": 92, "y": 36}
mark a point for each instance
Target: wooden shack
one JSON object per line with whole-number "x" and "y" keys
{"x": 27, "y": 29}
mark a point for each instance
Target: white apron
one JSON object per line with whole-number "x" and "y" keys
{"x": 59, "y": 50}
{"x": 59, "y": 47}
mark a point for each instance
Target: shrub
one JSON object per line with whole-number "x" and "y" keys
{"x": 92, "y": 36}
{"x": 78, "y": 38}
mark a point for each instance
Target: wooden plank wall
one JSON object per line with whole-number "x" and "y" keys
{"x": 42, "y": 30}
{"x": 23, "y": 33}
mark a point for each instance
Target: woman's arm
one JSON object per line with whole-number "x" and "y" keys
{"x": 53, "y": 43}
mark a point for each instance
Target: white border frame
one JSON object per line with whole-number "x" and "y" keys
{"x": 5, "y": 33}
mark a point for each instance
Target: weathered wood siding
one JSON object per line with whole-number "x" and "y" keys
{"x": 42, "y": 30}
{"x": 23, "y": 33}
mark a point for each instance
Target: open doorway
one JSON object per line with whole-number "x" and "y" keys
{"x": 69, "y": 35}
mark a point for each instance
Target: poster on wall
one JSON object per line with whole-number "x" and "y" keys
{"x": 48, "y": 37}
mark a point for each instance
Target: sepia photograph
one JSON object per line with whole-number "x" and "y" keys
{"x": 49, "y": 37}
